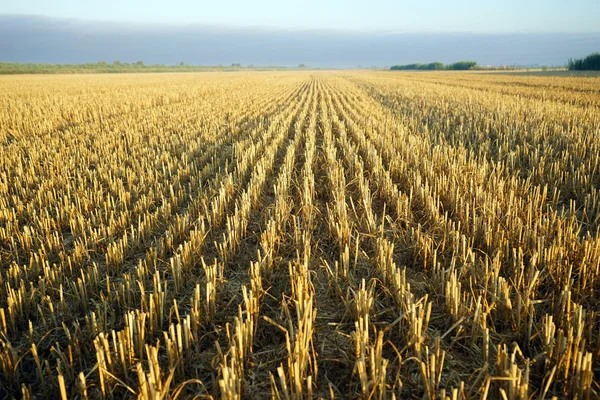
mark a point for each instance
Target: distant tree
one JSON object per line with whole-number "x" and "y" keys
{"x": 140, "y": 63}
{"x": 462, "y": 65}
{"x": 406, "y": 67}
{"x": 591, "y": 62}
{"x": 301, "y": 66}
{"x": 181, "y": 64}
{"x": 435, "y": 66}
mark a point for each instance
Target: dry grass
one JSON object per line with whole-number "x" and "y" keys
{"x": 299, "y": 235}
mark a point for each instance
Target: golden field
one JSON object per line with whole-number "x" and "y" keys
{"x": 291, "y": 235}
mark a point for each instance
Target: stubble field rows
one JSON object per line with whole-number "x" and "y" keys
{"x": 300, "y": 235}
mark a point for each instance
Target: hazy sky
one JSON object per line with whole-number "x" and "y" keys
{"x": 478, "y": 16}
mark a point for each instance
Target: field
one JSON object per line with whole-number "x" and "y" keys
{"x": 342, "y": 234}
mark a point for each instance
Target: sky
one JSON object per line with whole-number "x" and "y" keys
{"x": 318, "y": 33}
{"x": 424, "y": 16}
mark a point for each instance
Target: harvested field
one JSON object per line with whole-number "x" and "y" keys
{"x": 305, "y": 234}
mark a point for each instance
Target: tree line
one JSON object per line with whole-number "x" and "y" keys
{"x": 436, "y": 66}
{"x": 591, "y": 62}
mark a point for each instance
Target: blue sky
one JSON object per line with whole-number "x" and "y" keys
{"x": 477, "y": 16}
